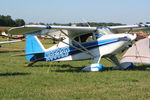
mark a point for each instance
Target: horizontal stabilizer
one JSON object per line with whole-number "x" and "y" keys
{"x": 6, "y": 42}
{"x": 23, "y": 54}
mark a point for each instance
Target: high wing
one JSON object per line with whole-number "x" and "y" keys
{"x": 129, "y": 26}
{"x": 75, "y": 30}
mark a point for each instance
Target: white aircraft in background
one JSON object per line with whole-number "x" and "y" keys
{"x": 82, "y": 43}
{"x": 3, "y": 34}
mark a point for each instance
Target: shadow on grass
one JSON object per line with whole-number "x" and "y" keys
{"x": 141, "y": 68}
{"x": 61, "y": 68}
{"x": 13, "y": 74}
{"x": 70, "y": 68}
{"x": 11, "y": 51}
{"x": 53, "y": 65}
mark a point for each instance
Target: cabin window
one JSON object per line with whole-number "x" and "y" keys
{"x": 77, "y": 39}
{"x": 84, "y": 38}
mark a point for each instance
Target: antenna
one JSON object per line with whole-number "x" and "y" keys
{"x": 86, "y": 22}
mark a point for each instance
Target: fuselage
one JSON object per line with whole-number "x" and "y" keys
{"x": 110, "y": 44}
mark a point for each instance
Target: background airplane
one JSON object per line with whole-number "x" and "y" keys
{"x": 7, "y": 42}
{"x": 10, "y": 36}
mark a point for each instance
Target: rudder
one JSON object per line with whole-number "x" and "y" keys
{"x": 33, "y": 47}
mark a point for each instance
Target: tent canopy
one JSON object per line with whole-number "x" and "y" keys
{"x": 139, "y": 52}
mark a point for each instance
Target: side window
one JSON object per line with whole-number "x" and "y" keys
{"x": 87, "y": 37}
{"x": 77, "y": 39}
{"x": 83, "y": 38}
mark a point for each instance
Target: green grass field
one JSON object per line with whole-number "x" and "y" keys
{"x": 65, "y": 81}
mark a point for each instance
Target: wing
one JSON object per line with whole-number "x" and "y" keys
{"x": 73, "y": 30}
{"x": 129, "y": 26}
{"x": 22, "y": 29}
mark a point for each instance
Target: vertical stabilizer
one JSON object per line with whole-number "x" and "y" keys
{"x": 34, "y": 48}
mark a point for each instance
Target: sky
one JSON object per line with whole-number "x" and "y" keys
{"x": 74, "y": 11}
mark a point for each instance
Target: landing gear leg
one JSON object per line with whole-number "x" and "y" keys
{"x": 116, "y": 62}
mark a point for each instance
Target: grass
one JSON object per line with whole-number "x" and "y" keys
{"x": 4, "y": 28}
{"x": 65, "y": 81}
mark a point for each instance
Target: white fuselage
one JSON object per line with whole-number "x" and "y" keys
{"x": 110, "y": 44}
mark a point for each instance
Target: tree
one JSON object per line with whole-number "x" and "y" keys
{"x": 41, "y": 23}
{"x": 19, "y": 22}
{"x": 147, "y": 22}
{"x": 6, "y": 21}
{"x": 140, "y": 22}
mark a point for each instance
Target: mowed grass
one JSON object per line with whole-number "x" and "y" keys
{"x": 4, "y": 28}
{"x": 65, "y": 81}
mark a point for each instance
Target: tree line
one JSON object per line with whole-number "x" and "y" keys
{"x": 96, "y": 24}
{"x": 91, "y": 24}
{"x": 8, "y": 21}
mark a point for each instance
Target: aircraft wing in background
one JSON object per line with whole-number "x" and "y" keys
{"x": 6, "y": 42}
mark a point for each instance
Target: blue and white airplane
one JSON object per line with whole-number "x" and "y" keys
{"x": 82, "y": 43}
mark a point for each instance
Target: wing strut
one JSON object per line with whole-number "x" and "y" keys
{"x": 84, "y": 49}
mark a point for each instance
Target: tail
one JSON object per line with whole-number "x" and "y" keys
{"x": 34, "y": 49}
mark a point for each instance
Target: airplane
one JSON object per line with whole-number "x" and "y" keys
{"x": 7, "y": 42}
{"x": 3, "y": 34}
{"x": 82, "y": 43}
